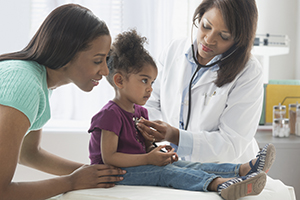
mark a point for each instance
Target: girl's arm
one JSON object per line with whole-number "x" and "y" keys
{"x": 110, "y": 156}
{"x": 13, "y": 126}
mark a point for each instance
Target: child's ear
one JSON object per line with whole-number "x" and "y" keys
{"x": 118, "y": 80}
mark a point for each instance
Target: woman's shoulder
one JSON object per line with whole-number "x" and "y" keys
{"x": 181, "y": 43}
{"x": 252, "y": 69}
{"x": 23, "y": 88}
{"x": 254, "y": 61}
{"x": 21, "y": 67}
{"x": 11, "y": 63}
{"x": 175, "y": 49}
{"x": 25, "y": 75}
{"x": 254, "y": 65}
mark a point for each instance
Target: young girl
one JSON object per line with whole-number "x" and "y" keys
{"x": 116, "y": 141}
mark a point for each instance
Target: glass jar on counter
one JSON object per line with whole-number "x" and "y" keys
{"x": 279, "y": 111}
{"x": 281, "y": 127}
{"x": 297, "y": 125}
{"x": 292, "y": 117}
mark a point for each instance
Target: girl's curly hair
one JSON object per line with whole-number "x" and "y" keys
{"x": 128, "y": 55}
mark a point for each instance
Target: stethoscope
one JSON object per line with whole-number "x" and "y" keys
{"x": 199, "y": 66}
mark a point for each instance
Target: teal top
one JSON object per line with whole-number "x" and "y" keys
{"x": 23, "y": 86}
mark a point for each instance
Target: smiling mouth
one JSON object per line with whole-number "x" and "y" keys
{"x": 95, "y": 82}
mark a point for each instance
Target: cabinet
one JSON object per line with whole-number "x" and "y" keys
{"x": 287, "y": 163}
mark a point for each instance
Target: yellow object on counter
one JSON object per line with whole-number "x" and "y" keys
{"x": 283, "y": 94}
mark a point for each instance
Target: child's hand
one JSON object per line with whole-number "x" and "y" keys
{"x": 156, "y": 157}
{"x": 169, "y": 149}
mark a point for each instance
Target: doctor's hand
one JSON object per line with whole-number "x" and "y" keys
{"x": 158, "y": 131}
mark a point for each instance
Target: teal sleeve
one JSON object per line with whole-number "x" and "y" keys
{"x": 21, "y": 90}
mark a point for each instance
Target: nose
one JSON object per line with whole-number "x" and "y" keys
{"x": 210, "y": 38}
{"x": 104, "y": 70}
{"x": 150, "y": 89}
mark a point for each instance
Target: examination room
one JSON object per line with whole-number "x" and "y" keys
{"x": 201, "y": 99}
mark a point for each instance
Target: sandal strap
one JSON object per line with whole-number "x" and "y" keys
{"x": 260, "y": 162}
{"x": 254, "y": 168}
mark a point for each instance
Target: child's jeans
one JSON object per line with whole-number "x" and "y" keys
{"x": 180, "y": 175}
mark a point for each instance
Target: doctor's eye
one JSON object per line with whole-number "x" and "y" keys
{"x": 205, "y": 26}
{"x": 225, "y": 37}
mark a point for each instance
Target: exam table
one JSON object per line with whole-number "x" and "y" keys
{"x": 274, "y": 190}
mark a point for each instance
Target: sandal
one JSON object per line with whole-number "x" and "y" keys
{"x": 265, "y": 159}
{"x": 239, "y": 187}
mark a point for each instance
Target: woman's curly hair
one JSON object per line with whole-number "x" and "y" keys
{"x": 128, "y": 55}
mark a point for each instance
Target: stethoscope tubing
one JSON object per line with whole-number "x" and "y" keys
{"x": 199, "y": 66}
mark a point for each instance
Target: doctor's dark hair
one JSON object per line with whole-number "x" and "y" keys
{"x": 66, "y": 31}
{"x": 240, "y": 17}
{"x": 128, "y": 55}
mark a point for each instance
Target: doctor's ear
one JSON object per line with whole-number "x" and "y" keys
{"x": 118, "y": 80}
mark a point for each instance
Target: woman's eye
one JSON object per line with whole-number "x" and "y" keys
{"x": 225, "y": 37}
{"x": 99, "y": 62}
{"x": 205, "y": 26}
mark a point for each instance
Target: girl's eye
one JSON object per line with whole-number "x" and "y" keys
{"x": 145, "y": 81}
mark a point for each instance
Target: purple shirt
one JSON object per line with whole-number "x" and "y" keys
{"x": 113, "y": 118}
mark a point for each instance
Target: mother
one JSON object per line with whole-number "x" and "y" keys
{"x": 71, "y": 46}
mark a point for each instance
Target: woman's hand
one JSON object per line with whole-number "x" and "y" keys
{"x": 159, "y": 158}
{"x": 95, "y": 176}
{"x": 158, "y": 131}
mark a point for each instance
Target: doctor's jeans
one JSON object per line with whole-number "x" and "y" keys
{"x": 193, "y": 176}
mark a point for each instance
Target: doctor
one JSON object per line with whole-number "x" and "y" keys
{"x": 226, "y": 95}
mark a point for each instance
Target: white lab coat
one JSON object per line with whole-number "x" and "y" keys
{"x": 223, "y": 120}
